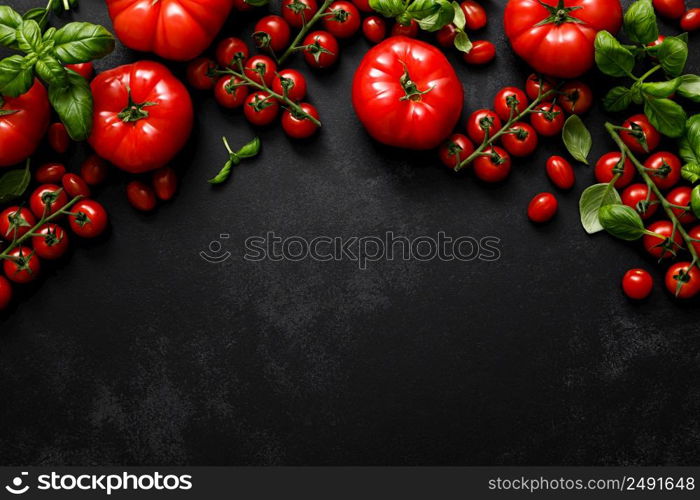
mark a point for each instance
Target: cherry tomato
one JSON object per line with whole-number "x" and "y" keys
{"x": 681, "y": 196}
{"x": 140, "y": 196}
{"x": 86, "y": 70}
{"x": 642, "y": 137}
{"x": 363, "y": 5}
{"x": 560, "y": 172}
{"x": 293, "y": 81}
{"x": 548, "y": 119}
{"x": 23, "y": 122}
{"x": 682, "y": 280}
{"x": 299, "y": 127}
{"x": 457, "y": 148}
{"x": 52, "y": 243}
{"x": 374, "y": 29}
{"x": 272, "y": 33}
{"x": 482, "y": 52}
{"x": 534, "y": 83}
{"x": 509, "y": 100}
{"x": 474, "y": 14}
{"x": 344, "y": 19}
{"x": 230, "y": 50}
{"x": 672, "y": 9}
{"x": 15, "y": 222}
{"x": 74, "y": 185}
{"x": 665, "y": 169}
{"x": 610, "y": 161}
{"x": 49, "y": 173}
{"x": 260, "y": 68}
{"x": 493, "y": 166}
{"x": 410, "y": 30}
{"x": 542, "y": 207}
{"x": 260, "y": 109}
{"x": 638, "y": 197}
{"x": 88, "y": 219}
{"x": 446, "y": 36}
{"x": 662, "y": 247}
{"x": 695, "y": 234}
{"x": 59, "y": 140}
{"x": 94, "y": 170}
{"x": 657, "y": 42}
{"x": 298, "y": 12}
{"x": 230, "y": 92}
{"x": 321, "y": 49}
{"x": 5, "y": 293}
{"x": 47, "y": 199}
{"x": 521, "y": 140}
{"x": 23, "y": 267}
{"x": 164, "y": 182}
{"x": 691, "y": 20}
{"x": 576, "y": 97}
{"x": 242, "y": 5}
{"x": 199, "y": 73}
{"x": 479, "y": 122}
{"x": 637, "y": 284}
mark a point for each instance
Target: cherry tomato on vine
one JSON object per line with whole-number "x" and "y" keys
{"x": 51, "y": 242}
{"x": 456, "y": 149}
{"x": 410, "y": 30}
{"x": 230, "y": 92}
{"x": 23, "y": 123}
{"x": 272, "y": 33}
{"x": 231, "y": 49}
{"x": 321, "y": 49}
{"x": 663, "y": 246}
{"x": 681, "y": 196}
{"x": 86, "y": 70}
{"x": 542, "y": 207}
{"x": 534, "y": 83}
{"x": 493, "y": 165}
{"x": 49, "y": 173}
{"x": 638, "y": 197}
{"x": 298, "y": 12}
{"x": 5, "y": 293}
{"x": 374, "y": 29}
{"x": 482, "y": 52}
{"x": 657, "y": 42}
{"x": 198, "y": 73}
{"x": 446, "y": 36}
{"x": 479, "y": 122}
{"x": 15, "y": 222}
{"x": 164, "y": 183}
{"x": 474, "y": 14}
{"x": 363, "y": 5}
{"x": 74, "y": 185}
{"x": 695, "y": 234}
{"x": 682, "y": 280}
{"x": 293, "y": 81}
{"x": 672, "y": 9}
{"x": 691, "y": 20}
{"x": 260, "y": 68}
{"x": 140, "y": 196}
{"x": 94, "y": 170}
{"x": 260, "y": 109}
{"x": 23, "y": 267}
{"x": 610, "y": 161}
{"x": 548, "y": 119}
{"x": 641, "y": 136}
{"x": 664, "y": 168}
{"x": 47, "y": 199}
{"x": 637, "y": 284}
{"x": 520, "y": 140}
{"x": 343, "y": 20}
{"x": 88, "y": 219}
{"x": 299, "y": 126}
{"x": 507, "y": 100}
{"x": 576, "y": 97}
{"x": 560, "y": 172}
{"x": 59, "y": 140}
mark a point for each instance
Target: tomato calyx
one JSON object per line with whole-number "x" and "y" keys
{"x": 81, "y": 218}
{"x": 261, "y": 39}
{"x": 50, "y": 236}
{"x": 297, "y": 7}
{"x": 495, "y": 158}
{"x": 22, "y": 262}
{"x": 682, "y": 278}
{"x": 17, "y": 220}
{"x": 663, "y": 171}
{"x": 259, "y": 103}
{"x": 454, "y": 149}
{"x": 549, "y": 114}
{"x": 316, "y": 50}
{"x": 133, "y": 111}
{"x": 413, "y": 93}
{"x": 519, "y": 132}
{"x": 559, "y": 14}
{"x": 338, "y": 15}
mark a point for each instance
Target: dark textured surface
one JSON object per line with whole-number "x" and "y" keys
{"x": 136, "y": 351}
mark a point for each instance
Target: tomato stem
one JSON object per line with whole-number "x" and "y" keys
{"x": 293, "y": 47}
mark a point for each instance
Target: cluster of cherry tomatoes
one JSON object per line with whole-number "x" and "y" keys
{"x": 482, "y": 51}
{"x": 676, "y": 9}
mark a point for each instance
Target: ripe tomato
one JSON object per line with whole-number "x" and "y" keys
{"x": 556, "y": 36}
{"x": 446, "y": 36}
{"x": 641, "y": 136}
{"x": 560, "y": 172}
{"x": 493, "y": 165}
{"x": 407, "y": 94}
{"x": 542, "y": 207}
{"x": 638, "y": 197}
{"x": 291, "y": 80}
{"x": 230, "y": 50}
{"x": 509, "y": 100}
{"x": 88, "y": 219}
{"x": 47, "y": 199}
{"x": 199, "y": 73}
{"x": 49, "y": 173}
{"x": 343, "y": 20}
{"x": 695, "y": 234}
{"x": 682, "y": 280}
{"x": 15, "y": 222}
{"x": 681, "y": 196}
{"x": 142, "y": 116}
{"x": 174, "y": 29}
{"x": 321, "y": 49}
{"x": 520, "y": 140}
{"x": 409, "y": 30}
{"x": 548, "y": 119}
{"x": 481, "y": 121}
{"x": 455, "y": 150}
{"x": 363, "y": 5}
{"x": 482, "y": 52}
{"x": 299, "y": 127}
{"x": 298, "y": 12}
{"x": 637, "y": 284}
{"x": 657, "y": 42}
{"x": 23, "y": 122}
{"x": 59, "y": 140}
{"x": 94, "y": 170}
{"x": 672, "y": 9}
{"x": 140, "y": 196}
{"x": 662, "y": 246}
{"x": 86, "y": 70}
{"x": 261, "y": 109}
{"x": 272, "y": 33}
{"x": 534, "y": 83}
{"x": 576, "y": 97}
{"x": 374, "y": 29}
{"x": 474, "y": 14}
{"x": 607, "y": 166}
{"x": 164, "y": 182}
{"x": 691, "y": 20}
{"x": 260, "y": 68}
{"x": 664, "y": 168}
{"x": 52, "y": 243}
{"x": 230, "y": 92}
{"x": 23, "y": 267}
{"x": 74, "y": 185}
{"x": 5, "y": 293}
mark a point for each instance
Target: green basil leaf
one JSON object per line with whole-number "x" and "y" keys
{"x": 640, "y": 22}
{"x": 250, "y": 149}
{"x": 689, "y": 87}
{"x": 257, "y": 3}
{"x": 666, "y": 115}
{"x": 463, "y": 43}
{"x": 51, "y": 71}
{"x": 16, "y": 76}
{"x": 14, "y": 183}
{"x": 442, "y": 16}
{"x": 689, "y": 144}
{"x": 29, "y": 36}
{"x": 611, "y": 57}
{"x": 37, "y": 14}
{"x": 73, "y": 103}
{"x": 459, "y": 20}
{"x": 691, "y": 172}
{"x": 82, "y": 42}
{"x": 617, "y": 99}
{"x": 621, "y": 221}
{"x": 672, "y": 55}
{"x": 422, "y": 8}
{"x": 10, "y": 21}
{"x": 577, "y": 138}
{"x": 592, "y": 198}
{"x": 661, "y": 89}
{"x": 388, "y": 8}
{"x": 695, "y": 201}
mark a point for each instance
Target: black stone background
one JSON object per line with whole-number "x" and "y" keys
{"x": 136, "y": 351}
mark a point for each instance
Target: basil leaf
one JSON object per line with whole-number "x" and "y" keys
{"x": 14, "y": 183}
{"x": 695, "y": 201}
{"x": 462, "y": 42}
{"x": 672, "y": 55}
{"x": 661, "y": 89}
{"x": 592, "y": 198}
{"x": 459, "y": 20}
{"x": 617, "y": 99}
{"x": 611, "y": 57}
{"x": 640, "y": 22}
{"x": 250, "y": 149}
{"x": 666, "y": 115}
{"x": 257, "y": 3}
{"x": 691, "y": 172}
{"x": 29, "y": 36}
{"x": 422, "y": 8}
{"x": 443, "y": 15}
{"x": 10, "y": 21}
{"x": 388, "y": 8}
{"x": 621, "y": 221}
{"x": 51, "y": 71}
{"x": 82, "y": 42}
{"x": 689, "y": 87}
{"x": 689, "y": 144}
{"x": 577, "y": 138}
{"x": 73, "y": 103}
{"x": 16, "y": 76}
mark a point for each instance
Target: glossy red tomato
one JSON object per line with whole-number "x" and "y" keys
{"x": 230, "y": 92}
{"x": 662, "y": 246}
{"x": 15, "y": 222}
{"x": 691, "y": 20}
{"x": 638, "y": 197}
{"x": 343, "y": 19}
{"x": 74, "y": 185}
{"x": 86, "y": 70}
{"x": 23, "y": 122}
{"x": 576, "y": 97}
{"x": 47, "y": 199}
{"x": 455, "y": 150}
{"x": 509, "y": 100}
{"x": 142, "y": 116}
{"x": 637, "y": 284}
{"x": 542, "y": 208}
{"x": 493, "y": 165}
{"x": 363, "y": 5}
{"x": 695, "y": 234}
{"x": 174, "y": 29}
{"x": 5, "y": 293}
{"x": 164, "y": 183}
{"x": 682, "y": 280}
{"x": 482, "y": 52}
{"x": 298, "y": 126}
{"x": 672, "y": 9}
{"x": 560, "y": 172}
{"x": 272, "y": 33}
{"x": 407, "y": 94}
{"x": 51, "y": 242}
{"x": 536, "y": 82}
{"x": 59, "y": 140}
{"x": 446, "y": 36}
{"x": 260, "y": 68}
{"x": 474, "y": 14}
{"x": 94, "y": 170}
{"x": 409, "y": 30}
{"x": 481, "y": 121}
{"x": 681, "y": 196}
{"x": 199, "y": 73}
{"x": 556, "y": 36}
{"x": 321, "y": 49}
{"x": 140, "y": 196}
{"x": 641, "y": 136}
{"x": 23, "y": 266}
{"x": 230, "y": 50}
{"x": 49, "y": 173}
{"x": 548, "y": 119}
{"x": 261, "y": 109}
{"x": 88, "y": 219}
{"x": 664, "y": 169}
{"x": 657, "y": 42}
{"x": 606, "y": 166}
{"x": 521, "y": 140}
{"x": 374, "y": 29}
{"x": 298, "y": 12}
{"x": 294, "y": 83}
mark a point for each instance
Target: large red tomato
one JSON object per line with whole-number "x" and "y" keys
{"x": 142, "y": 116}
{"x": 407, "y": 94}
{"x": 556, "y": 36}
{"x": 23, "y": 122}
{"x": 174, "y": 29}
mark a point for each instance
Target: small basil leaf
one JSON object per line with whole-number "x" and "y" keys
{"x": 666, "y": 115}
{"x": 441, "y": 17}
{"x": 250, "y": 149}
{"x": 14, "y": 183}
{"x": 29, "y": 36}
{"x": 420, "y": 9}
{"x": 577, "y": 138}
{"x": 640, "y": 22}
{"x": 689, "y": 144}
{"x": 695, "y": 201}
{"x": 691, "y": 172}
{"x": 16, "y": 76}
{"x": 661, "y": 89}
{"x": 689, "y": 87}
{"x": 592, "y": 198}
{"x": 672, "y": 55}
{"x": 621, "y": 221}
{"x": 51, "y": 71}
{"x": 617, "y": 99}
{"x": 73, "y": 103}
{"x": 611, "y": 57}
{"x": 462, "y": 42}
{"x": 459, "y": 20}
{"x": 82, "y": 42}
{"x": 10, "y": 21}
{"x": 37, "y": 14}
{"x": 388, "y": 8}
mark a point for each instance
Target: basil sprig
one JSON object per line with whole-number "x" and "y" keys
{"x": 431, "y": 15}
